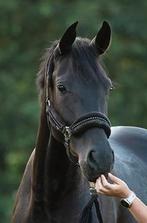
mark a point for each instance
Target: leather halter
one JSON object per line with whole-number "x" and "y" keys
{"x": 87, "y": 121}
{"x": 83, "y": 123}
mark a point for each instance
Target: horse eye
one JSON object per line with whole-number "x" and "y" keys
{"x": 61, "y": 88}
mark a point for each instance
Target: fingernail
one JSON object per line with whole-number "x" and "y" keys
{"x": 103, "y": 175}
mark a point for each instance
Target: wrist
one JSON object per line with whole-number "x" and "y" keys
{"x": 126, "y": 193}
{"x": 128, "y": 201}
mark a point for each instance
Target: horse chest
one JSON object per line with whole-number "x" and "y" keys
{"x": 71, "y": 210}
{"x": 72, "y": 217}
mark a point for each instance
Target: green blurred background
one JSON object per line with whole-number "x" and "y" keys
{"x": 27, "y": 28}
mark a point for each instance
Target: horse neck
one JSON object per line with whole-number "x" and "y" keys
{"x": 61, "y": 175}
{"x": 54, "y": 176}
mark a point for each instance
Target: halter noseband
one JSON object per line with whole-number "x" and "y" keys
{"x": 89, "y": 120}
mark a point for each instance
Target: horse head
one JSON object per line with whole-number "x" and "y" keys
{"x": 77, "y": 88}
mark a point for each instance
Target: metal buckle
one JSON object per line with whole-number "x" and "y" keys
{"x": 67, "y": 134}
{"x": 48, "y": 102}
{"x": 92, "y": 188}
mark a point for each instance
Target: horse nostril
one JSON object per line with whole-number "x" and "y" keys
{"x": 91, "y": 156}
{"x": 100, "y": 161}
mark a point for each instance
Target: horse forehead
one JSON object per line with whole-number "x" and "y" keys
{"x": 74, "y": 70}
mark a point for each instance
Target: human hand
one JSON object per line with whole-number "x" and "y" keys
{"x": 118, "y": 188}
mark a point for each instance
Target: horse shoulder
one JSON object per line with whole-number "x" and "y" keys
{"x": 24, "y": 192}
{"x": 130, "y": 149}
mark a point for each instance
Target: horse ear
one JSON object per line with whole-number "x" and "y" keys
{"x": 103, "y": 38}
{"x": 68, "y": 38}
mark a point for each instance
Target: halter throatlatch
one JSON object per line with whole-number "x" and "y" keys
{"x": 85, "y": 122}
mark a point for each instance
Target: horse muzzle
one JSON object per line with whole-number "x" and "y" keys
{"x": 97, "y": 164}
{"x": 99, "y": 158}
{"x": 95, "y": 155}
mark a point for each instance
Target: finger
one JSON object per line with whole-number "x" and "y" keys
{"x": 101, "y": 189}
{"x": 114, "y": 178}
{"x": 98, "y": 185}
{"x": 105, "y": 183}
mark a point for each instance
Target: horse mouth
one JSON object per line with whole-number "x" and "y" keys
{"x": 94, "y": 178}
{"x": 91, "y": 174}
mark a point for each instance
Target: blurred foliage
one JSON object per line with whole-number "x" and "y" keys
{"x": 27, "y": 27}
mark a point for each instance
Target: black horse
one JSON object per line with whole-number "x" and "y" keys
{"x": 73, "y": 144}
